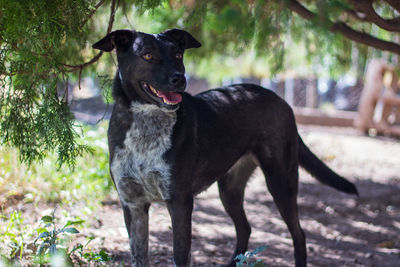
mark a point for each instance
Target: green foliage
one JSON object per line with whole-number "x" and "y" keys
{"x": 82, "y": 255}
{"x": 38, "y": 39}
{"x": 105, "y": 82}
{"x": 42, "y": 182}
{"x": 47, "y": 244}
{"x": 14, "y": 235}
{"x": 248, "y": 259}
{"x": 51, "y": 239}
{"x": 265, "y": 32}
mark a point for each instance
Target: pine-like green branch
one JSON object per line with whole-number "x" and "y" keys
{"x": 36, "y": 41}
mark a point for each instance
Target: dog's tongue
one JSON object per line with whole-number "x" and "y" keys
{"x": 170, "y": 97}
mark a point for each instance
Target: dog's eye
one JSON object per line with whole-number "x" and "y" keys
{"x": 179, "y": 56}
{"x": 148, "y": 56}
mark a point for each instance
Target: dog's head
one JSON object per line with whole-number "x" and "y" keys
{"x": 151, "y": 64}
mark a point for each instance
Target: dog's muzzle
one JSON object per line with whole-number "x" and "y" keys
{"x": 165, "y": 97}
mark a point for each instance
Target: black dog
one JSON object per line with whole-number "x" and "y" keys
{"x": 166, "y": 145}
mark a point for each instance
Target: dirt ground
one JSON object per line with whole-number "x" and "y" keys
{"x": 341, "y": 230}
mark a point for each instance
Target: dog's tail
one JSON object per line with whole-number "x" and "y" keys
{"x": 321, "y": 172}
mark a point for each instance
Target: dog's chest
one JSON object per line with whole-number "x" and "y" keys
{"x": 138, "y": 168}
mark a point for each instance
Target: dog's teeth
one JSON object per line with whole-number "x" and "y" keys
{"x": 153, "y": 90}
{"x": 167, "y": 102}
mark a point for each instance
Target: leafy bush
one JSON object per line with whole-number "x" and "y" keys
{"x": 48, "y": 244}
{"x": 21, "y": 243}
{"x": 51, "y": 238}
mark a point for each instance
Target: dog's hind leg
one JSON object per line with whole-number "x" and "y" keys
{"x": 281, "y": 172}
{"x": 231, "y": 190}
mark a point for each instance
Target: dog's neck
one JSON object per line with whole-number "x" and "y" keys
{"x": 145, "y": 115}
{"x": 124, "y": 92}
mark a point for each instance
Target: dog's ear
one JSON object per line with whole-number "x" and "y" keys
{"x": 184, "y": 39}
{"x": 120, "y": 39}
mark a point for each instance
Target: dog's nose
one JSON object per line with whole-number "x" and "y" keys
{"x": 178, "y": 81}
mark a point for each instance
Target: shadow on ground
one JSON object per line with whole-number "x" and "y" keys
{"x": 341, "y": 230}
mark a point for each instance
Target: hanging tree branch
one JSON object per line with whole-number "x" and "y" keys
{"x": 369, "y": 14}
{"x": 33, "y": 117}
{"x": 394, "y": 3}
{"x": 99, "y": 4}
{"x": 113, "y": 9}
{"x": 345, "y": 30}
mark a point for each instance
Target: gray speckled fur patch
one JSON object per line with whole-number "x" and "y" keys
{"x": 139, "y": 171}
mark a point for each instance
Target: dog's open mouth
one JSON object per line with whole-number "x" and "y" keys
{"x": 168, "y": 98}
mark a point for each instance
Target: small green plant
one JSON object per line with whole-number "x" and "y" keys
{"x": 5, "y": 262}
{"x": 247, "y": 259}
{"x": 51, "y": 238}
{"x": 52, "y": 245}
{"x": 47, "y": 245}
{"x": 14, "y": 236}
{"x": 85, "y": 258}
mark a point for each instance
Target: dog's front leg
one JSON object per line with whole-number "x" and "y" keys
{"x": 180, "y": 211}
{"x": 137, "y": 223}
